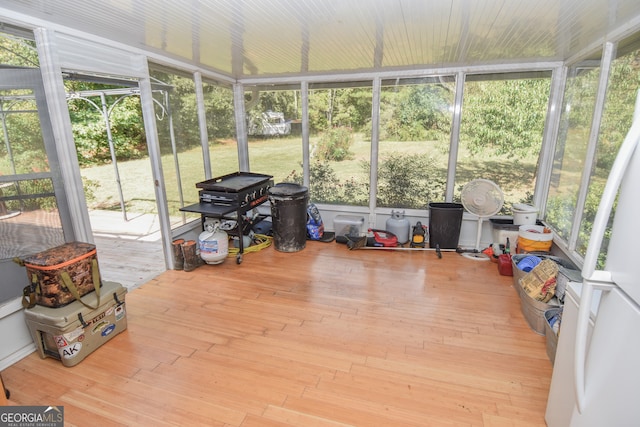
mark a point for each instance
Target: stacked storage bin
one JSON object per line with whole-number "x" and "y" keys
{"x": 70, "y": 312}
{"x": 544, "y": 318}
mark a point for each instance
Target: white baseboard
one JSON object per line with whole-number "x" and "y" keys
{"x": 16, "y": 356}
{"x": 16, "y": 339}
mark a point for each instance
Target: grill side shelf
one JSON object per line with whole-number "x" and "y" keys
{"x": 210, "y": 209}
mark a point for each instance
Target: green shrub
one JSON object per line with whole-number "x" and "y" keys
{"x": 335, "y": 144}
{"x": 326, "y": 187}
{"x": 90, "y": 133}
{"x": 404, "y": 181}
{"x": 408, "y": 181}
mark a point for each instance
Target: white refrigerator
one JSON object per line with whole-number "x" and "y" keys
{"x": 596, "y": 375}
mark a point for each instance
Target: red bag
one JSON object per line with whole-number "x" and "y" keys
{"x": 505, "y": 267}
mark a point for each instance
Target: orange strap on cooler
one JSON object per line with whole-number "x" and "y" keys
{"x": 62, "y": 264}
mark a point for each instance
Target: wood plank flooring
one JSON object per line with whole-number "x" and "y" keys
{"x": 320, "y": 337}
{"x": 129, "y": 251}
{"x": 129, "y": 262}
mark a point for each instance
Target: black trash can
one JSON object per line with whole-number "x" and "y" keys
{"x": 289, "y": 216}
{"x": 445, "y": 221}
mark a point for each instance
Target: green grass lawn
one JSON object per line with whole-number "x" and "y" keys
{"x": 278, "y": 157}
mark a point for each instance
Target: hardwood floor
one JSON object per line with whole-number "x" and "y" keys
{"x": 320, "y": 337}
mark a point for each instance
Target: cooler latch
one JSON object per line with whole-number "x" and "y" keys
{"x": 115, "y": 297}
{"x": 82, "y": 322}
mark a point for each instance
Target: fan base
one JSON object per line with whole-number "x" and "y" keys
{"x": 479, "y": 256}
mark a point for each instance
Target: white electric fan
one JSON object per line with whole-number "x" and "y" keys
{"x": 483, "y": 198}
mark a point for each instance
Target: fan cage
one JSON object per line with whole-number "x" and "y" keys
{"x": 482, "y": 197}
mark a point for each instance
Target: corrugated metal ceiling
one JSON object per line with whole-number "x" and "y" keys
{"x": 259, "y": 38}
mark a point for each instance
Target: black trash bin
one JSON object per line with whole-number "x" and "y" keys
{"x": 445, "y": 221}
{"x": 289, "y": 216}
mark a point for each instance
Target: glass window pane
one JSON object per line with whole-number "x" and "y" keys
{"x": 340, "y": 139}
{"x": 503, "y": 117}
{"x": 571, "y": 147}
{"x": 221, "y": 129}
{"x": 415, "y": 133}
{"x": 622, "y": 89}
{"x": 275, "y": 141}
{"x": 179, "y": 135}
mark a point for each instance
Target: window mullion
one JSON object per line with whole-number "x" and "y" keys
{"x": 605, "y": 68}
{"x": 375, "y": 144}
{"x": 455, "y": 137}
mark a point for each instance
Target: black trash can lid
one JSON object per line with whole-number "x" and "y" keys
{"x": 288, "y": 189}
{"x": 445, "y": 205}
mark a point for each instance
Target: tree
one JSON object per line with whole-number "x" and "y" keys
{"x": 281, "y": 101}
{"x": 618, "y": 115}
{"x": 219, "y": 110}
{"x": 89, "y": 127}
{"x": 415, "y": 112}
{"x": 18, "y": 52}
{"x": 348, "y": 107}
{"x": 505, "y": 116}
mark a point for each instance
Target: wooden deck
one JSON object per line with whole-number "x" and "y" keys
{"x": 320, "y": 337}
{"x": 129, "y": 252}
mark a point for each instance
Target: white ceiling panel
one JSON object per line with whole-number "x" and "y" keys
{"x": 261, "y": 38}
